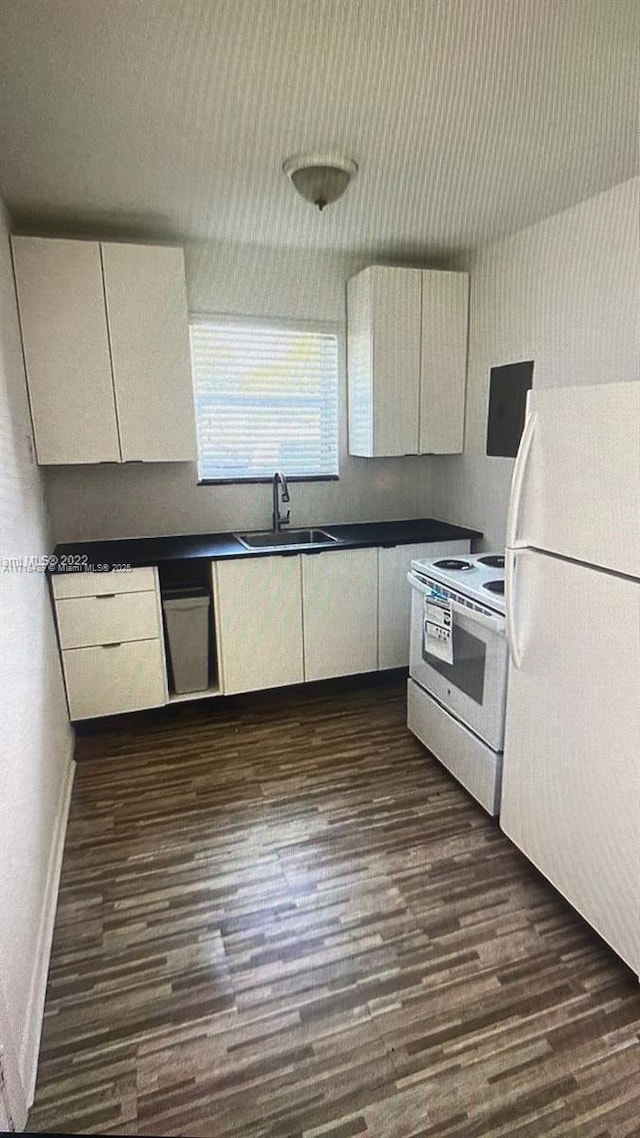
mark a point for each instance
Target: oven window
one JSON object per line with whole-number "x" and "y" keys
{"x": 468, "y": 668}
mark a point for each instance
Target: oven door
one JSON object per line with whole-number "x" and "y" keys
{"x": 473, "y": 687}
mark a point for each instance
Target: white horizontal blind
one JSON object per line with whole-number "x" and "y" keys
{"x": 266, "y": 399}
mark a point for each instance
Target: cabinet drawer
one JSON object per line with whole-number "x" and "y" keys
{"x": 110, "y": 679}
{"x": 108, "y": 617}
{"x": 471, "y": 761}
{"x": 97, "y": 584}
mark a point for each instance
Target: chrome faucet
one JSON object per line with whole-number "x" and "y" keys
{"x": 278, "y": 518}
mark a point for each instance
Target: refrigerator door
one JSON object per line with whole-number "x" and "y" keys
{"x": 576, "y": 482}
{"x": 571, "y": 774}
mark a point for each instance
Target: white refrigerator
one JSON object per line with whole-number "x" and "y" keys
{"x": 571, "y": 774}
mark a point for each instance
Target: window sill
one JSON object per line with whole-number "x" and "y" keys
{"x": 268, "y": 481}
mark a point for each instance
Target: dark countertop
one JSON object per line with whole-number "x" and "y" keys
{"x": 138, "y": 551}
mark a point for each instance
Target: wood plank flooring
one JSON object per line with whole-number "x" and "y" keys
{"x": 281, "y": 917}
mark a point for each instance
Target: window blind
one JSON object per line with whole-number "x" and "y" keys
{"x": 266, "y": 399}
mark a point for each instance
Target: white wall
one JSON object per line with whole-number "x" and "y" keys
{"x": 112, "y": 501}
{"x": 564, "y": 293}
{"x": 36, "y": 739}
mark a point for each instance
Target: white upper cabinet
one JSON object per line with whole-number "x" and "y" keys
{"x": 105, "y": 337}
{"x": 149, "y": 332}
{"x": 384, "y": 307}
{"x": 66, "y": 350}
{"x": 407, "y": 348}
{"x": 443, "y": 361}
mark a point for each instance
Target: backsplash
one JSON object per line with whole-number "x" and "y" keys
{"x": 86, "y": 503}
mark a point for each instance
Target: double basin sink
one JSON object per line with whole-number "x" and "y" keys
{"x": 268, "y": 539}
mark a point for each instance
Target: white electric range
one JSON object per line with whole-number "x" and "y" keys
{"x": 458, "y": 667}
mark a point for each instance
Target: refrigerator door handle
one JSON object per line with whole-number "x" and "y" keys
{"x": 517, "y": 487}
{"x": 511, "y": 625}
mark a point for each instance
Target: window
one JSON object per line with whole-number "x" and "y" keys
{"x": 266, "y": 399}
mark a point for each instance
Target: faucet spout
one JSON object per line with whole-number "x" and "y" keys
{"x": 279, "y": 519}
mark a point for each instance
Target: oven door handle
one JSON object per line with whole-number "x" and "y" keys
{"x": 495, "y": 623}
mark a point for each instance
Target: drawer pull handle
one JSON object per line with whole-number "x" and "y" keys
{"x": 105, "y": 596}
{"x": 114, "y": 644}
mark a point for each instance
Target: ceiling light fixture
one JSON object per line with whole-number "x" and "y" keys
{"x": 320, "y": 178}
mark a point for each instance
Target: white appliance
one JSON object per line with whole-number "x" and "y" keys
{"x": 458, "y": 667}
{"x": 571, "y": 780}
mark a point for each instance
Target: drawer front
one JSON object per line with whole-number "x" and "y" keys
{"x": 471, "y": 761}
{"x": 108, "y": 617}
{"x": 97, "y": 584}
{"x": 108, "y": 680}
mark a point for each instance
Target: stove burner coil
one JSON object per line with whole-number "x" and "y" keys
{"x": 452, "y": 563}
{"x": 495, "y": 587}
{"x": 492, "y": 560}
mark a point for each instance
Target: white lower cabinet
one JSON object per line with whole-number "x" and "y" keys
{"x": 279, "y": 619}
{"x": 394, "y": 596}
{"x": 258, "y": 609}
{"x": 340, "y": 607}
{"x": 112, "y": 678}
{"x": 110, "y": 633}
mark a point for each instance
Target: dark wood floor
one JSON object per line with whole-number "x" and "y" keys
{"x": 284, "y": 918}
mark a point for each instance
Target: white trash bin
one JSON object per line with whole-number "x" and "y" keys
{"x": 186, "y": 615}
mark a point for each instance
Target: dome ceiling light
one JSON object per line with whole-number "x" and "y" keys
{"x": 320, "y": 178}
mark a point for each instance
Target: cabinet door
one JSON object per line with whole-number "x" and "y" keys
{"x": 384, "y": 307}
{"x": 394, "y": 597}
{"x": 443, "y": 366}
{"x": 360, "y": 364}
{"x": 148, "y": 328}
{"x": 66, "y": 350}
{"x": 258, "y": 605}
{"x": 340, "y": 605}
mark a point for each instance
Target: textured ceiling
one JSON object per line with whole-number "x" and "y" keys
{"x": 172, "y": 118}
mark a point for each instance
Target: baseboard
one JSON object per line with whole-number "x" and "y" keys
{"x": 30, "y": 1048}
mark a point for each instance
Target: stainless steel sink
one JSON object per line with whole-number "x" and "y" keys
{"x": 267, "y": 539}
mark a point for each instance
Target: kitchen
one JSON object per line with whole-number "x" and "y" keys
{"x": 552, "y": 268}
